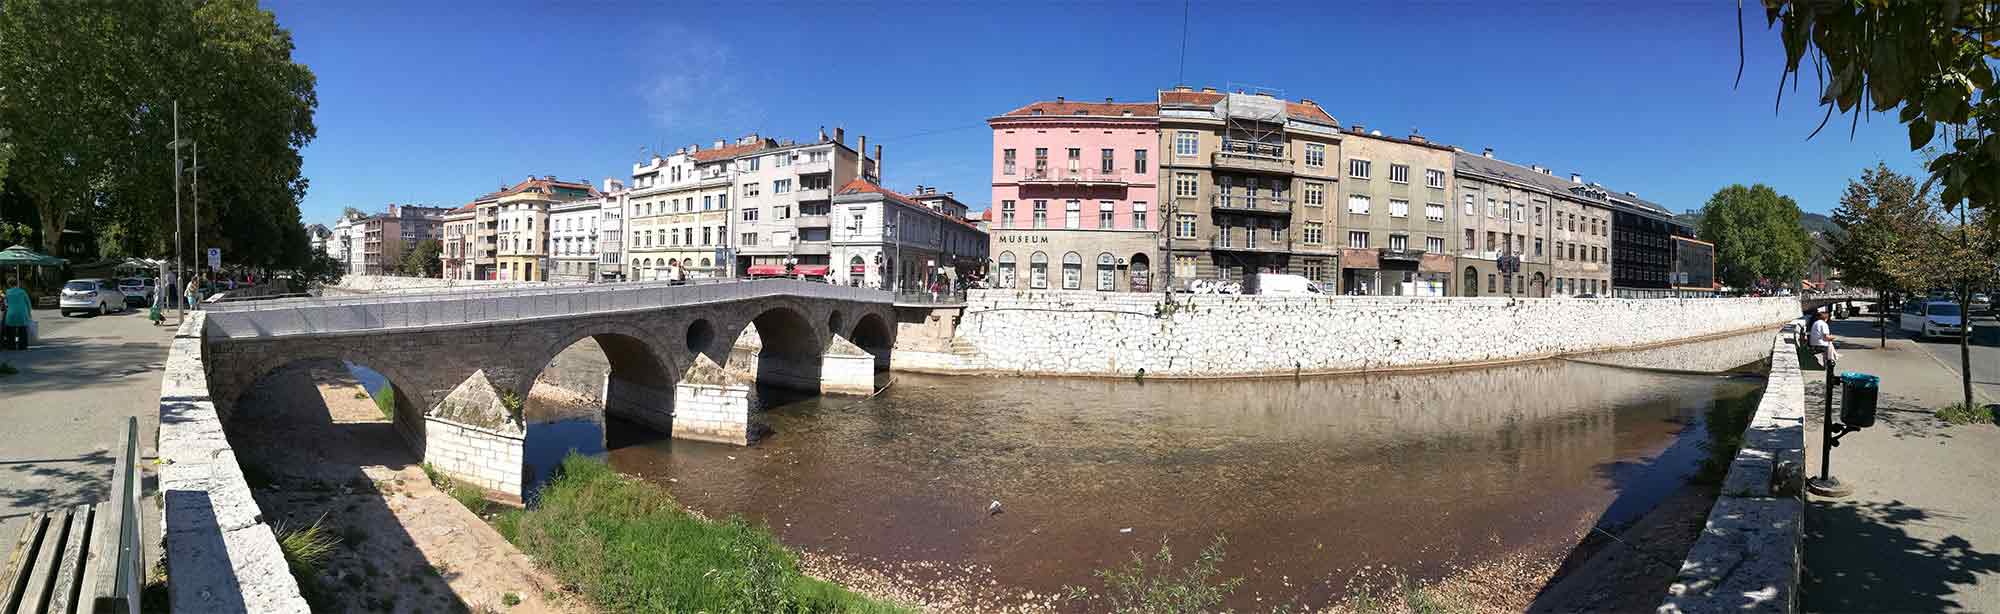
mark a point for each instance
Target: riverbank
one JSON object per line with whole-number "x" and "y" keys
{"x": 629, "y": 547}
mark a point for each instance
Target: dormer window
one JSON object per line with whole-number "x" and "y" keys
{"x": 1035, "y": 112}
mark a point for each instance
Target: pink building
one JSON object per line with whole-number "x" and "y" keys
{"x": 1075, "y": 196}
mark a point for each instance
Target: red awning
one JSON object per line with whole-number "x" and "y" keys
{"x": 767, "y": 269}
{"x": 857, "y": 268}
{"x": 813, "y": 270}
{"x": 778, "y": 270}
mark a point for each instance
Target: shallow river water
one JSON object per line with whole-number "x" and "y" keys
{"x": 1311, "y": 480}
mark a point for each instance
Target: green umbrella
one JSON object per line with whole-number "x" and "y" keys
{"x": 20, "y": 255}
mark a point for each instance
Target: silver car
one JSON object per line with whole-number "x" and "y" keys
{"x": 91, "y": 296}
{"x": 136, "y": 290}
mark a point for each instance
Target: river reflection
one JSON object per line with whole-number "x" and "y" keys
{"x": 1310, "y": 479}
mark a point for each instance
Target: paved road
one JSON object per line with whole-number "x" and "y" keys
{"x": 65, "y": 410}
{"x": 1921, "y": 533}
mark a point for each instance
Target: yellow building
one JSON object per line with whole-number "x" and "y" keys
{"x": 520, "y": 215}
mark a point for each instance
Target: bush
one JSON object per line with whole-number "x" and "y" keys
{"x": 1962, "y": 414}
{"x": 1144, "y": 586}
{"x": 628, "y": 547}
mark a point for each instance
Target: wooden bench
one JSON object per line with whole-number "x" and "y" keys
{"x": 85, "y": 558}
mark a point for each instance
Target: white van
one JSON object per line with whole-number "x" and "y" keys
{"x": 1287, "y": 285}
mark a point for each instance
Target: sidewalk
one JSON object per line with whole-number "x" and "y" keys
{"x": 1921, "y": 533}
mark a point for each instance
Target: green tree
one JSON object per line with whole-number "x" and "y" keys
{"x": 1756, "y": 234}
{"x": 1956, "y": 250}
{"x": 90, "y": 94}
{"x": 1876, "y": 208}
{"x": 1931, "y": 62}
{"x": 323, "y": 269}
{"x": 422, "y": 260}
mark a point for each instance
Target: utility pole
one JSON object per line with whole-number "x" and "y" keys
{"x": 197, "y": 200}
{"x": 180, "y": 270}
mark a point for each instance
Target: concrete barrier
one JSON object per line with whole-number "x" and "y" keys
{"x": 1748, "y": 556}
{"x": 221, "y": 555}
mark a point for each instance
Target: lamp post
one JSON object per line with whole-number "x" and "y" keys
{"x": 180, "y": 269}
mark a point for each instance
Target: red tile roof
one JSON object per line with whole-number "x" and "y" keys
{"x": 726, "y": 152}
{"x": 1300, "y": 109}
{"x": 547, "y": 185}
{"x": 1071, "y": 107}
{"x": 864, "y": 186}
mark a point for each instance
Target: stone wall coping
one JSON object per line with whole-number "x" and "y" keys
{"x": 1748, "y": 556}
{"x": 478, "y": 429}
{"x": 223, "y": 556}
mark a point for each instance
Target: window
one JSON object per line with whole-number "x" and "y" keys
{"x": 1185, "y": 143}
{"x": 1399, "y": 208}
{"x": 751, "y": 189}
{"x": 1075, "y": 158}
{"x": 1315, "y": 269}
{"x": 1006, "y": 214}
{"x": 1106, "y": 215}
{"x": 1508, "y": 284}
{"x": 1357, "y": 204}
{"x": 1041, "y": 214}
{"x": 1316, "y": 155}
{"x": 1315, "y": 194}
{"x": 1492, "y": 208}
{"x": 1492, "y": 283}
{"x": 1538, "y": 215}
{"x": 1072, "y": 273}
{"x": 1520, "y": 244}
{"x": 1399, "y": 173}
{"x": 1184, "y": 226}
{"x": 1041, "y": 161}
{"x": 1277, "y": 233}
{"x": 749, "y": 215}
{"x": 1538, "y": 247}
{"x": 1314, "y": 232}
{"x": 1520, "y": 213}
{"x": 750, "y": 238}
{"x": 1139, "y": 161}
{"x": 781, "y": 186}
{"x": 1073, "y": 215}
{"x": 1358, "y": 168}
{"x": 783, "y": 159}
{"x": 1471, "y": 205}
{"x": 1006, "y": 276}
{"x": 1139, "y": 216}
{"x": 1399, "y": 242}
{"x": 1007, "y": 161}
{"x": 1357, "y": 239}
{"x": 1184, "y": 266}
{"x": 1434, "y": 178}
{"x": 784, "y": 212}
{"x": 816, "y": 156}
{"x": 1434, "y": 245}
{"x": 1104, "y": 164}
{"x": 1434, "y": 212}
{"x": 707, "y": 202}
{"x": 1186, "y": 185}
{"x": 1038, "y": 271}
{"x": 1493, "y": 241}
{"x": 1225, "y": 236}
{"x": 1471, "y": 242}
{"x": 1572, "y": 252}
{"x": 1107, "y": 271}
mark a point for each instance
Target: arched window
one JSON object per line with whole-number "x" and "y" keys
{"x": 1038, "y": 271}
{"x": 1471, "y": 281}
{"x": 673, "y": 262}
{"x": 1072, "y": 271}
{"x": 1140, "y": 269}
{"x": 705, "y": 263}
{"x": 1107, "y": 268}
{"x": 1005, "y": 277}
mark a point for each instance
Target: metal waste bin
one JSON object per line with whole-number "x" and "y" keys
{"x": 1857, "y": 399}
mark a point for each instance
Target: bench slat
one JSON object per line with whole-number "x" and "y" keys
{"x": 17, "y": 563}
{"x": 70, "y": 565}
{"x": 42, "y": 575}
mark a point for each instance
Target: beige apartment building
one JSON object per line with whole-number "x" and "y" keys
{"x": 520, "y": 216}
{"x": 785, "y": 197}
{"x": 1560, "y": 230}
{"x": 679, "y": 210}
{"x": 1237, "y": 169}
{"x": 1395, "y": 230}
{"x": 455, "y": 256}
{"x": 1580, "y": 237}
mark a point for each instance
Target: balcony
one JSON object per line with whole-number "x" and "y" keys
{"x": 1252, "y": 156}
{"x": 812, "y": 168}
{"x": 1253, "y": 204}
{"x": 812, "y": 194}
{"x": 1079, "y": 177}
{"x": 812, "y": 248}
{"x": 815, "y": 221}
{"x": 1243, "y": 245}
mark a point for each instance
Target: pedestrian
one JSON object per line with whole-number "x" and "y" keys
{"x": 193, "y": 294}
{"x": 1820, "y": 341}
{"x": 14, "y": 324}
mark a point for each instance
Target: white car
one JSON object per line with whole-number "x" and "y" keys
{"x": 136, "y": 290}
{"x": 1932, "y": 319}
{"x": 1287, "y": 285}
{"x": 91, "y": 296}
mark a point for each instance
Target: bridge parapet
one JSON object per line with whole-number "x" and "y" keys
{"x": 325, "y": 316}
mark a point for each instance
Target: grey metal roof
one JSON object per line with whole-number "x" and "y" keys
{"x": 1478, "y": 164}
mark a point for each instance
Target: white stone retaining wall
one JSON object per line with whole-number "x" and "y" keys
{"x": 1748, "y": 556}
{"x": 221, "y": 555}
{"x": 719, "y": 414}
{"x": 1118, "y": 334}
{"x": 488, "y": 458}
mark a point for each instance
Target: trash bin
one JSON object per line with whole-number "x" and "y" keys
{"x": 1857, "y": 399}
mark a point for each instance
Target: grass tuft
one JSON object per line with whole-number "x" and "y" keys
{"x": 1148, "y": 585}
{"x": 510, "y": 599}
{"x": 1962, "y": 414}
{"x": 385, "y": 400}
{"x": 628, "y": 547}
{"x": 306, "y": 548}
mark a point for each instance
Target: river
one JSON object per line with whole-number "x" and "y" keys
{"x": 1312, "y": 480}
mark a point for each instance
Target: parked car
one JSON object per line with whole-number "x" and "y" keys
{"x": 91, "y": 296}
{"x": 1932, "y": 319}
{"x": 1287, "y": 285}
{"x": 136, "y": 290}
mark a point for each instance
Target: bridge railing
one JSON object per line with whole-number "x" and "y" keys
{"x": 325, "y": 316}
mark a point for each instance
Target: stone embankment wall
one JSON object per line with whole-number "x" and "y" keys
{"x": 222, "y": 555}
{"x": 375, "y": 284}
{"x": 1748, "y": 556}
{"x": 1120, "y": 334}
{"x": 1705, "y": 355}
{"x": 489, "y": 458}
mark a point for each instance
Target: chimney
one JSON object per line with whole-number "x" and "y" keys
{"x": 1357, "y": 129}
{"x": 1308, "y": 101}
{"x": 1107, "y": 100}
{"x": 1576, "y": 177}
{"x": 1488, "y": 153}
{"x": 1418, "y": 138}
{"x": 1207, "y": 90}
{"x": 861, "y": 158}
{"x": 878, "y": 158}
{"x": 822, "y": 134}
{"x": 720, "y": 142}
{"x": 840, "y": 135}
{"x": 552, "y": 177}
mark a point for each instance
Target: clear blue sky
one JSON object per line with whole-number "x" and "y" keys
{"x": 439, "y": 104}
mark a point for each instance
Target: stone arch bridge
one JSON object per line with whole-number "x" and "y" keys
{"x": 462, "y": 363}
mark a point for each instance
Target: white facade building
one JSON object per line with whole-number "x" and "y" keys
{"x": 574, "y": 229}
{"x": 891, "y": 241}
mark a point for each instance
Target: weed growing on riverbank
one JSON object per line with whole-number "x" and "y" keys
{"x": 306, "y": 549}
{"x": 1960, "y": 414}
{"x": 1156, "y": 585}
{"x": 466, "y": 494}
{"x": 625, "y": 545}
{"x": 385, "y": 400}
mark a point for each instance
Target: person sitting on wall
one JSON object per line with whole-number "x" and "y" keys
{"x": 1820, "y": 340}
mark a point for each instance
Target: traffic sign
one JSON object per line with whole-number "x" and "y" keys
{"x": 215, "y": 259}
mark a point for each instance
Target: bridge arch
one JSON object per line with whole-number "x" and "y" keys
{"x": 407, "y": 393}
{"x": 786, "y": 350}
{"x": 875, "y": 335}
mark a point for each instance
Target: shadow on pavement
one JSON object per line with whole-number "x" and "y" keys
{"x": 1860, "y": 559}
{"x": 71, "y": 481}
